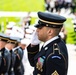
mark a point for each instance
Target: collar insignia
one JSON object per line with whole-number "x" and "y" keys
{"x": 46, "y": 48}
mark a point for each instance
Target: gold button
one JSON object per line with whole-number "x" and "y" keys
{"x": 38, "y": 74}
{"x": 41, "y": 70}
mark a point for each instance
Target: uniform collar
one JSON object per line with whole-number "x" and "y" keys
{"x": 47, "y": 42}
{"x": 47, "y": 45}
{"x": 15, "y": 48}
{"x": 7, "y": 49}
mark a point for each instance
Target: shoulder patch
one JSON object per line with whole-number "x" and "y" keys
{"x": 56, "y": 57}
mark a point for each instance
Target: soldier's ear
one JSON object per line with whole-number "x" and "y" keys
{"x": 49, "y": 32}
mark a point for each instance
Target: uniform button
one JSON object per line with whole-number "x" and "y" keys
{"x": 38, "y": 74}
{"x": 11, "y": 69}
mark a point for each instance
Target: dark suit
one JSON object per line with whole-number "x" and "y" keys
{"x": 49, "y": 61}
{"x": 5, "y": 61}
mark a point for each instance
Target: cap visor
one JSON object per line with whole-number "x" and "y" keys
{"x": 36, "y": 25}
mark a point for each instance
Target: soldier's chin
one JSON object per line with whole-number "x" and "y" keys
{"x": 40, "y": 39}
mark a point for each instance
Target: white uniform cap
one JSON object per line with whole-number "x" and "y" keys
{"x": 25, "y": 41}
{"x": 28, "y": 36}
{"x": 29, "y": 31}
{"x": 17, "y": 32}
{"x": 8, "y": 32}
{"x": 32, "y": 27}
{"x": 11, "y": 24}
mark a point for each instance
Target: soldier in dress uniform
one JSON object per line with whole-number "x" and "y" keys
{"x": 9, "y": 46}
{"x": 19, "y": 55}
{"x": 4, "y": 55}
{"x": 18, "y": 50}
{"x": 52, "y": 58}
{"x": 18, "y": 34}
{"x": 22, "y": 47}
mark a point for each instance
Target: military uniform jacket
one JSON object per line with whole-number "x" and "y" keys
{"x": 12, "y": 62}
{"x": 22, "y": 67}
{"x": 17, "y": 67}
{"x": 48, "y": 61}
{"x": 5, "y": 61}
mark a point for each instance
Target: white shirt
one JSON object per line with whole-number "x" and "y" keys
{"x": 47, "y": 42}
{"x": 7, "y": 49}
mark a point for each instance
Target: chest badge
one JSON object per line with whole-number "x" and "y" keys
{"x": 39, "y": 64}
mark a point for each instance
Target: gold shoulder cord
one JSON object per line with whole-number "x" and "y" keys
{"x": 4, "y": 61}
{"x": 18, "y": 56}
{"x": 54, "y": 51}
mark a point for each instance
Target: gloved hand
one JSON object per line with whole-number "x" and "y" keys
{"x": 34, "y": 39}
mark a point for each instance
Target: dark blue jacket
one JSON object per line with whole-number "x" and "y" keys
{"x": 48, "y": 61}
{"x": 5, "y": 61}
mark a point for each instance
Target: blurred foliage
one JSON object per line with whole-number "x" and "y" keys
{"x": 5, "y": 20}
{"x": 70, "y": 31}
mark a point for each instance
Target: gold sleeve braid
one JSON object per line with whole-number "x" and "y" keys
{"x": 33, "y": 52}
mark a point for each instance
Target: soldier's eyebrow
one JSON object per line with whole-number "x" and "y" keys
{"x": 40, "y": 27}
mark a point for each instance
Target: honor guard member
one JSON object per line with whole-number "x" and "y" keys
{"x": 18, "y": 34}
{"x": 22, "y": 47}
{"x": 4, "y": 55}
{"x": 52, "y": 58}
{"x": 10, "y": 45}
{"x": 19, "y": 55}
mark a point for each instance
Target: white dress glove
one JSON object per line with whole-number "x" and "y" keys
{"x": 34, "y": 39}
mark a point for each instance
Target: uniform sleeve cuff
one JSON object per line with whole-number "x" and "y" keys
{"x": 33, "y": 50}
